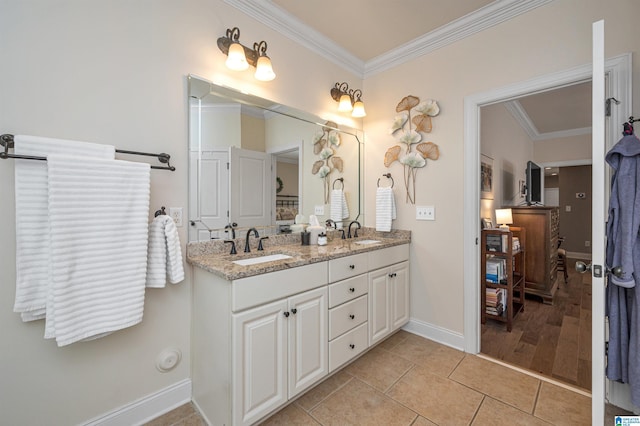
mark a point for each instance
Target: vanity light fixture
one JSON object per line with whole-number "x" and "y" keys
{"x": 348, "y": 99}
{"x": 239, "y": 57}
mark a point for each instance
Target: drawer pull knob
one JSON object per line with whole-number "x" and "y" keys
{"x": 286, "y": 314}
{"x": 294, "y": 311}
{"x": 352, "y": 346}
{"x": 352, "y": 290}
{"x": 352, "y": 316}
{"x": 352, "y": 266}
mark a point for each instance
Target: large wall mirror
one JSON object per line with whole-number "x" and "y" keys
{"x": 255, "y": 163}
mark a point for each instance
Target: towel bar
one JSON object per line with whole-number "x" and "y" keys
{"x": 6, "y": 140}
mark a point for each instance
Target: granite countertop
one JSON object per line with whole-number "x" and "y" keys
{"x": 213, "y": 256}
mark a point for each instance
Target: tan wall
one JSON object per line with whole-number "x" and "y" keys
{"x": 289, "y": 174}
{"x": 575, "y": 226}
{"x": 115, "y": 72}
{"x": 253, "y": 133}
{"x": 505, "y": 54}
{"x": 563, "y": 149}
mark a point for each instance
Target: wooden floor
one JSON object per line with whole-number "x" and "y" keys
{"x": 552, "y": 340}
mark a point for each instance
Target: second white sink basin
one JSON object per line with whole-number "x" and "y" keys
{"x": 367, "y": 241}
{"x": 261, "y": 259}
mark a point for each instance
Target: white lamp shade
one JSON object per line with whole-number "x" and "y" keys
{"x": 358, "y": 109}
{"x": 504, "y": 217}
{"x": 236, "y": 59}
{"x": 264, "y": 71}
{"x": 345, "y": 103}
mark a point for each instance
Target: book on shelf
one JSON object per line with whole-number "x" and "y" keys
{"x": 495, "y": 270}
{"x": 498, "y": 243}
{"x": 495, "y": 301}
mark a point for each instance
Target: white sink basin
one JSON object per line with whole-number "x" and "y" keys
{"x": 367, "y": 241}
{"x": 261, "y": 259}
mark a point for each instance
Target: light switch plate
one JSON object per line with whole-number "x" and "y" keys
{"x": 319, "y": 210}
{"x": 425, "y": 213}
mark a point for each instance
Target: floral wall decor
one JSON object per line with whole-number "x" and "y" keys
{"x": 413, "y": 120}
{"x": 325, "y": 144}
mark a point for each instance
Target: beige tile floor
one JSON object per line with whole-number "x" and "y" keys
{"x": 409, "y": 380}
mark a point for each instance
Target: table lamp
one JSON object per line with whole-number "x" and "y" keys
{"x": 504, "y": 218}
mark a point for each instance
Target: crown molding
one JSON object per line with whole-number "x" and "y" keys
{"x": 492, "y": 14}
{"x": 523, "y": 119}
{"x": 286, "y": 24}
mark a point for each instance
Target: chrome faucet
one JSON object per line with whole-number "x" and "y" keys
{"x": 355, "y": 233}
{"x": 247, "y": 249}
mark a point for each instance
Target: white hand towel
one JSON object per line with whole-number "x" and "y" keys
{"x": 385, "y": 208}
{"x": 339, "y": 207}
{"x": 32, "y": 226}
{"x": 165, "y": 255}
{"x": 98, "y": 215}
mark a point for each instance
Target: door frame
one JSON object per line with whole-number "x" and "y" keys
{"x": 618, "y": 70}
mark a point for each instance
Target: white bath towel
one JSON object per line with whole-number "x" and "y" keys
{"x": 385, "y": 208}
{"x": 32, "y": 225}
{"x": 339, "y": 207}
{"x": 98, "y": 215}
{"x": 164, "y": 258}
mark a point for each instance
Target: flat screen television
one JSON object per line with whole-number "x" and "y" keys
{"x": 534, "y": 184}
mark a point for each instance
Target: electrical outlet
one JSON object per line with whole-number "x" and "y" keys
{"x": 319, "y": 210}
{"x": 176, "y": 215}
{"x": 425, "y": 213}
{"x": 587, "y": 243}
{"x": 567, "y": 208}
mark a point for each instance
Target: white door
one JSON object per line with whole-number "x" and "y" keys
{"x": 250, "y": 187}
{"x": 259, "y": 356}
{"x": 209, "y": 202}
{"x": 599, "y": 207}
{"x": 308, "y": 361}
{"x": 400, "y": 295}
{"x": 379, "y": 307}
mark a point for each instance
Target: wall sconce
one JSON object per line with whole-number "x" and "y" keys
{"x": 239, "y": 57}
{"x": 348, "y": 99}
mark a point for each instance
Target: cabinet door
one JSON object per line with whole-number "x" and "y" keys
{"x": 308, "y": 343}
{"x": 399, "y": 283}
{"x": 379, "y": 307}
{"x": 259, "y": 361}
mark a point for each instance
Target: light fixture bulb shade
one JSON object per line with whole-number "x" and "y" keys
{"x": 504, "y": 217}
{"x": 345, "y": 103}
{"x": 236, "y": 60}
{"x": 264, "y": 71}
{"x": 358, "y": 109}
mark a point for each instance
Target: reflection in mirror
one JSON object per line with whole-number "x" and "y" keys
{"x": 251, "y": 164}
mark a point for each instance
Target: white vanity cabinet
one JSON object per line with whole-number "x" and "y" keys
{"x": 257, "y": 341}
{"x": 279, "y": 350}
{"x": 388, "y": 292}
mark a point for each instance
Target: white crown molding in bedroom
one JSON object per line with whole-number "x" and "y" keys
{"x": 521, "y": 116}
{"x": 286, "y": 24}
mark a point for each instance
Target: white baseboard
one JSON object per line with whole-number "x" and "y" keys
{"x": 147, "y": 408}
{"x": 435, "y": 333}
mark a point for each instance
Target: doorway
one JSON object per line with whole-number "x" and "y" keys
{"x": 618, "y": 70}
{"x": 552, "y": 335}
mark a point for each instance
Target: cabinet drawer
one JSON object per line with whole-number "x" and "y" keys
{"x": 259, "y": 289}
{"x": 347, "y": 316}
{"x": 388, "y": 256}
{"x": 347, "y": 346}
{"x": 346, "y": 267}
{"x": 346, "y": 290}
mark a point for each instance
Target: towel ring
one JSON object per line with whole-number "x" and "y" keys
{"x": 388, "y": 176}
{"x": 341, "y": 181}
{"x": 160, "y": 212}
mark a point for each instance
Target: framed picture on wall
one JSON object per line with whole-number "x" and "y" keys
{"x": 486, "y": 177}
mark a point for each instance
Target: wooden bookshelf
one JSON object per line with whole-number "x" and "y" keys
{"x": 500, "y": 250}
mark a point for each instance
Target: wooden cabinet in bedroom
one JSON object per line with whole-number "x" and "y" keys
{"x": 541, "y": 251}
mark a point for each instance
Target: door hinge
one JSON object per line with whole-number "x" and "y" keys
{"x": 227, "y": 213}
{"x": 476, "y": 240}
{"x": 606, "y": 348}
{"x": 227, "y": 166}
